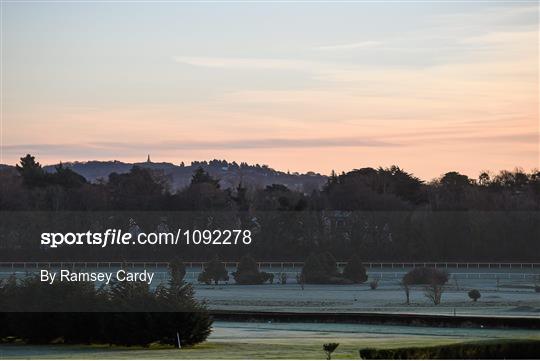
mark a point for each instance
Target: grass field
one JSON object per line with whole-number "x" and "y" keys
{"x": 348, "y": 349}
{"x": 235, "y": 340}
{"x": 516, "y": 299}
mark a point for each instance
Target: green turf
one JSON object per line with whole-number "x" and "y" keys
{"x": 275, "y": 349}
{"x": 259, "y": 345}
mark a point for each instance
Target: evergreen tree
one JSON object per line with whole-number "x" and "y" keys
{"x": 31, "y": 172}
{"x": 214, "y": 271}
{"x": 201, "y": 176}
{"x": 320, "y": 268}
{"x": 248, "y": 272}
{"x": 355, "y": 270}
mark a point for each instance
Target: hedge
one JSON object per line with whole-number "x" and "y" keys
{"x": 496, "y": 349}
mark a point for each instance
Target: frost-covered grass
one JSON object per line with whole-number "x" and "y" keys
{"x": 512, "y": 298}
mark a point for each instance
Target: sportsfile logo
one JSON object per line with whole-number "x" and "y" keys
{"x": 118, "y": 237}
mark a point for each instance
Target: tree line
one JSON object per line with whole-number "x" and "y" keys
{"x": 380, "y": 214}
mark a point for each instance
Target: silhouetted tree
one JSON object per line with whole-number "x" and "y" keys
{"x": 200, "y": 176}
{"x": 320, "y": 268}
{"x": 329, "y": 348}
{"x": 214, "y": 271}
{"x": 248, "y": 272}
{"x": 355, "y": 270}
{"x": 31, "y": 172}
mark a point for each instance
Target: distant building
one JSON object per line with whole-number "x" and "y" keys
{"x": 148, "y": 160}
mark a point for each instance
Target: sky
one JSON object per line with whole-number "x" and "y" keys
{"x": 428, "y": 86}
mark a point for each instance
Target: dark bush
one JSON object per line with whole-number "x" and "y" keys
{"x": 355, "y": 270}
{"x": 313, "y": 270}
{"x": 248, "y": 273}
{"x": 321, "y": 268}
{"x": 474, "y": 295}
{"x": 213, "y": 271}
{"x": 425, "y": 276}
{"x": 329, "y": 348}
{"x": 329, "y": 264}
{"x": 499, "y": 349}
{"x": 124, "y": 313}
{"x": 177, "y": 270}
{"x": 374, "y": 284}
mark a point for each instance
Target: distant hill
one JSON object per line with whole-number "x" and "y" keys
{"x": 179, "y": 176}
{"x": 5, "y": 167}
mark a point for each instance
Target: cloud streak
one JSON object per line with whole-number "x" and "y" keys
{"x": 243, "y": 63}
{"x": 350, "y": 46}
{"x": 269, "y": 143}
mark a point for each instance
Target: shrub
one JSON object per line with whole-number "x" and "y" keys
{"x": 177, "y": 270}
{"x": 123, "y": 313}
{"x": 374, "y": 284}
{"x": 321, "y": 268}
{"x": 425, "y": 276}
{"x": 499, "y": 349}
{"x": 329, "y": 348}
{"x": 300, "y": 279}
{"x": 248, "y": 273}
{"x": 407, "y": 291}
{"x": 283, "y": 278}
{"x": 204, "y": 277}
{"x": 313, "y": 270}
{"x": 355, "y": 270}
{"x": 213, "y": 271}
{"x": 329, "y": 264}
{"x": 474, "y": 295}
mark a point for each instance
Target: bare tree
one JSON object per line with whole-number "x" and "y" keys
{"x": 405, "y": 286}
{"x": 456, "y": 282}
{"x": 434, "y": 293}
